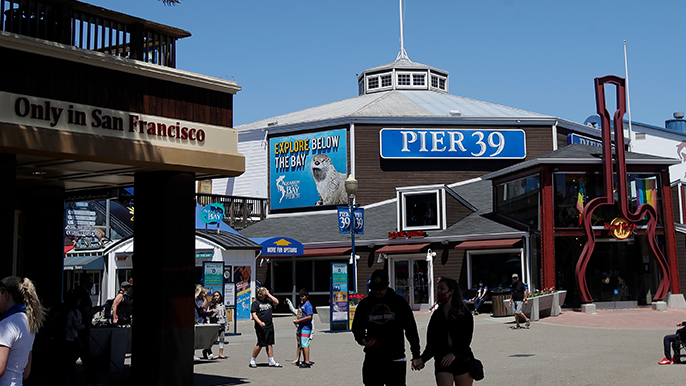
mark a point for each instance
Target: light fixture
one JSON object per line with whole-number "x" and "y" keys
{"x": 445, "y": 242}
{"x": 379, "y": 258}
{"x": 351, "y": 189}
{"x": 430, "y": 255}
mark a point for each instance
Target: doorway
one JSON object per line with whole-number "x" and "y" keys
{"x": 410, "y": 279}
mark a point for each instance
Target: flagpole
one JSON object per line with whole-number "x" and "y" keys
{"x": 628, "y": 100}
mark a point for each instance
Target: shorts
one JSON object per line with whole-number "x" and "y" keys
{"x": 458, "y": 367}
{"x": 383, "y": 371}
{"x": 517, "y": 306}
{"x": 303, "y": 335}
{"x": 265, "y": 336}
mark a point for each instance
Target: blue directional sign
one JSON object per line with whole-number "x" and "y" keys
{"x": 452, "y": 144}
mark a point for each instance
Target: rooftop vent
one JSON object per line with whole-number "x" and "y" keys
{"x": 678, "y": 124}
{"x": 679, "y": 115}
{"x": 455, "y": 113}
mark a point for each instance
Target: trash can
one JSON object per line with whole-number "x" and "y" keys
{"x": 497, "y": 298}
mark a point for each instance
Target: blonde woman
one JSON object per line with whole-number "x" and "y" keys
{"x": 23, "y": 315}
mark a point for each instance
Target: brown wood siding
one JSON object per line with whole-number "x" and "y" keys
{"x": 455, "y": 210}
{"x": 379, "y": 177}
{"x": 453, "y": 268}
{"x": 68, "y": 81}
{"x": 681, "y": 253}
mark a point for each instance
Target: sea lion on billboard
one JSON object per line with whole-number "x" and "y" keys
{"x": 330, "y": 183}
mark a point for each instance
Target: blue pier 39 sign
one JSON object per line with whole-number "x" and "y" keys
{"x": 452, "y": 144}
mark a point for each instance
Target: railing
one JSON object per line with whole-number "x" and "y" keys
{"x": 239, "y": 212}
{"x": 92, "y": 28}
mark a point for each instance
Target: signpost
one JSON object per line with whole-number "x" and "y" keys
{"x": 339, "y": 297}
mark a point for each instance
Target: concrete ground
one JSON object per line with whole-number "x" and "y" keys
{"x": 619, "y": 347}
{"x": 611, "y": 347}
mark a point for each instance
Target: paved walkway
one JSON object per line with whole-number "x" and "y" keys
{"x": 619, "y": 347}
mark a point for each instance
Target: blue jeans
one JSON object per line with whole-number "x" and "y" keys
{"x": 478, "y": 303}
{"x": 671, "y": 340}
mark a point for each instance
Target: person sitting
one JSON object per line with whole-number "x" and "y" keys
{"x": 480, "y": 297}
{"x": 671, "y": 340}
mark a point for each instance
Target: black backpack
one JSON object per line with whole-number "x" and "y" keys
{"x": 108, "y": 308}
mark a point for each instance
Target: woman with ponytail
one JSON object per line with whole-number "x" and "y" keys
{"x": 22, "y": 316}
{"x": 449, "y": 336}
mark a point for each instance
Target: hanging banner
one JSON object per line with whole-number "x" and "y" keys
{"x": 344, "y": 220}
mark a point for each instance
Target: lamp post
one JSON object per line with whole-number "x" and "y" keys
{"x": 351, "y": 189}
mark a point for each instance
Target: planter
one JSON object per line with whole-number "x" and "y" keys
{"x": 541, "y": 306}
{"x": 324, "y": 313}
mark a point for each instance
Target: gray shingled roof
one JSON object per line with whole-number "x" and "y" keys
{"x": 322, "y": 228}
{"x": 581, "y": 154}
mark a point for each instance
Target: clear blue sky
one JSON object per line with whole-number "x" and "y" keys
{"x": 540, "y": 56}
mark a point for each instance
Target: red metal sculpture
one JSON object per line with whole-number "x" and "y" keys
{"x": 622, "y": 191}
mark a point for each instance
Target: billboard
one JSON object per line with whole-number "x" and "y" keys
{"x": 308, "y": 169}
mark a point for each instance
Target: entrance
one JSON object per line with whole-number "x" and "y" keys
{"x": 411, "y": 280}
{"x": 615, "y": 275}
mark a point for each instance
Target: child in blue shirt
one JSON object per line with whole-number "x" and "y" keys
{"x": 303, "y": 321}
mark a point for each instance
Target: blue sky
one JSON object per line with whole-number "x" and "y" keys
{"x": 540, "y": 56}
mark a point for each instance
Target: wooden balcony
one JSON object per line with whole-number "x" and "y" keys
{"x": 239, "y": 212}
{"x": 94, "y": 28}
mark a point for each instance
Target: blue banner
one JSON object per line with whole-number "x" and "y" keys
{"x": 452, "y": 144}
{"x": 308, "y": 169}
{"x": 280, "y": 246}
{"x": 344, "y": 220}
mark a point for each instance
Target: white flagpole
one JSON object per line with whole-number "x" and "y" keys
{"x": 402, "y": 55}
{"x": 628, "y": 100}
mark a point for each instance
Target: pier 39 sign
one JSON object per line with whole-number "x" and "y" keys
{"x": 452, "y": 143}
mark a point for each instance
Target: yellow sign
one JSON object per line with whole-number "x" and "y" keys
{"x": 620, "y": 228}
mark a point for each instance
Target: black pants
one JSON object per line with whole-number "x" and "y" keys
{"x": 86, "y": 359}
{"x": 379, "y": 372}
{"x": 673, "y": 341}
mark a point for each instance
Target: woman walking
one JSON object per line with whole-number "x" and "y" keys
{"x": 449, "y": 336}
{"x": 23, "y": 315}
{"x": 217, "y": 313}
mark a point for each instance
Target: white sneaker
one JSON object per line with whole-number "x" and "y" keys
{"x": 211, "y": 356}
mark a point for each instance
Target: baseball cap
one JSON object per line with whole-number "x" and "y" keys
{"x": 125, "y": 284}
{"x": 515, "y": 275}
{"x": 379, "y": 280}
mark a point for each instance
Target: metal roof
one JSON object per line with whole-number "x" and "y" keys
{"x": 394, "y": 104}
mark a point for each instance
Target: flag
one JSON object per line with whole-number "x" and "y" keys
{"x": 580, "y": 200}
{"x": 646, "y": 192}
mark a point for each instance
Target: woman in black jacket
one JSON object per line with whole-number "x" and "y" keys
{"x": 449, "y": 335}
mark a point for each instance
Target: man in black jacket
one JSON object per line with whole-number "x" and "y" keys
{"x": 380, "y": 321}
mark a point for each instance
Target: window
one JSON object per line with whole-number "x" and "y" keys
{"x": 495, "y": 269}
{"x": 519, "y": 200}
{"x": 418, "y": 79}
{"x": 360, "y": 87}
{"x": 643, "y": 189}
{"x": 386, "y": 80}
{"x": 422, "y": 210}
{"x": 441, "y": 83}
{"x": 434, "y": 81}
{"x": 372, "y": 82}
{"x": 404, "y": 79}
{"x": 282, "y": 275}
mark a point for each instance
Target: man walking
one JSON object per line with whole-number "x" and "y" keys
{"x": 261, "y": 311}
{"x": 83, "y": 294}
{"x": 380, "y": 321}
{"x": 518, "y": 299}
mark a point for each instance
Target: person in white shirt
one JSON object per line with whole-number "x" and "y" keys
{"x": 22, "y": 316}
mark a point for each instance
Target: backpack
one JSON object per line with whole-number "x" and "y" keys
{"x": 107, "y": 310}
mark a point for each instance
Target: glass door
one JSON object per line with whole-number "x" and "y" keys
{"x": 420, "y": 278}
{"x": 402, "y": 279}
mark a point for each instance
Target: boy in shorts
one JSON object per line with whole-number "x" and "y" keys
{"x": 303, "y": 321}
{"x": 261, "y": 311}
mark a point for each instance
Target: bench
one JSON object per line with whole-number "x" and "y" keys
{"x": 469, "y": 294}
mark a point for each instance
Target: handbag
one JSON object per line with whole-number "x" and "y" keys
{"x": 476, "y": 369}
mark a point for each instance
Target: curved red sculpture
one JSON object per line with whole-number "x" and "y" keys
{"x": 622, "y": 191}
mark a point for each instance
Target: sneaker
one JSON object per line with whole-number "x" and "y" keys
{"x": 665, "y": 362}
{"x": 252, "y": 364}
{"x": 275, "y": 364}
{"x": 305, "y": 365}
{"x": 211, "y": 357}
{"x": 476, "y": 312}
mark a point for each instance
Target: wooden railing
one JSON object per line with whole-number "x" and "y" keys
{"x": 239, "y": 212}
{"x": 92, "y": 28}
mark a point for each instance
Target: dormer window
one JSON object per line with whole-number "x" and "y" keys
{"x": 386, "y": 80}
{"x": 418, "y": 79}
{"x": 438, "y": 82}
{"x": 421, "y": 208}
{"x": 372, "y": 83}
{"x": 403, "y": 79}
